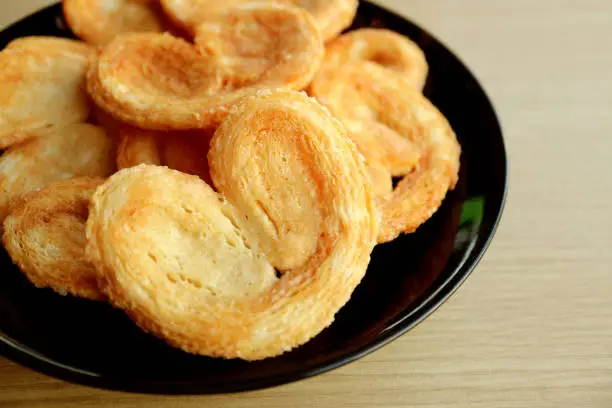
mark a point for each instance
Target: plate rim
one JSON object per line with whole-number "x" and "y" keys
{"x": 31, "y": 359}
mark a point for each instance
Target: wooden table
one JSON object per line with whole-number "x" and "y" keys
{"x": 532, "y": 327}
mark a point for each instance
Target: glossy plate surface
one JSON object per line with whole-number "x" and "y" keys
{"x": 93, "y": 344}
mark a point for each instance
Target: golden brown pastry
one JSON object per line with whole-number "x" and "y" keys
{"x": 184, "y": 151}
{"x": 159, "y": 82}
{"x": 100, "y": 21}
{"x": 384, "y": 149}
{"x": 75, "y": 150}
{"x": 381, "y": 146}
{"x": 41, "y": 86}
{"x": 330, "y": 16}
{"x": 267, "y": 44}
{"x": 392, "y": 101}
{"x": 45, "y": 236}
{"x": 375, "y": 140}
{"x": 383, "y": 47}
{"x": 197, "y": 268}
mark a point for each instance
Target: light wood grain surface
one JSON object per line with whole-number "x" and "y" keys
{"x": 532, "y": 327}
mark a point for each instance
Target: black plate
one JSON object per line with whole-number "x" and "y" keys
{"x": 93, "y": 344}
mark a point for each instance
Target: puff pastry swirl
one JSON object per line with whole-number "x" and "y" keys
{"x": 385, "y": 151}
{"x": 384, "y": 47}
{"x": 197, "y": 268}
{"x": 41, "y": 86}
{"x": 392, "y": 102}
{"x": 45, "y": 236}
{"x": 159, "y": 82}
{"x": 79, "y": 150}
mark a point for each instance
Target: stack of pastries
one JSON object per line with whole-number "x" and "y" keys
{"x": 221, "y": 171}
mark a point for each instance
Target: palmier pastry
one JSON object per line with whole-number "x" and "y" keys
{"x": 45, "y": 236}
{"x": 159, "y": 82}
{"x": 384, "y": 149}
{"x": 197, "y": 268}
{"x": 100, "y": 21}
{"x": 380, "y": 145}
{"x": 383, "y": 47}
{"x": 41, "y": 86}
{"x": 330, "y": 16}
{"x": 75, "y": 150}
{"x": 183, "y": 151}
{"x": 392, "y": 102}
{"x": 269, "y": 44}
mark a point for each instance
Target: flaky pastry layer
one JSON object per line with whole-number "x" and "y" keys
{"x": 41, "y": 86}
{"x": 45, "y": 236}
{"x": 72, "y": 151}
{"x": 392, "y": 102}
{"x": 384, "y": 47}
{"x": 386, "y": 153}
{"x": 383, "y": 149}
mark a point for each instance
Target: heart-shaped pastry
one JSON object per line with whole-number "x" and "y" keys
{"x": 45, "y": 236}
{"x": 382, "y": 147}
{"x": 262, "y": 44}
{"x": 260, "y": 267}
{"x": 160, "y": 82}
{"x": 377, "y": 100}
{"x": 41, "y": 86}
